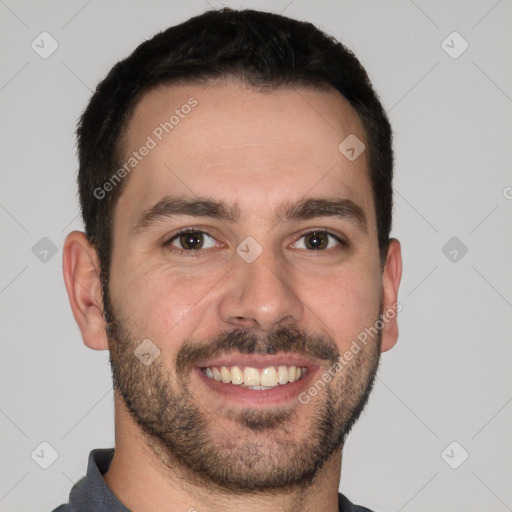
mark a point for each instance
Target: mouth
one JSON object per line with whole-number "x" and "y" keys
{"x": 257, "y": 381}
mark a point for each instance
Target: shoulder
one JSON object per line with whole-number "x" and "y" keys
{"x": 345, "y": 505}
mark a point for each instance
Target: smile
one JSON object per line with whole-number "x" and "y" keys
{"x": 255, "y": 378}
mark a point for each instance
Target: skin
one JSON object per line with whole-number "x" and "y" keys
{"x": 255, "y": 150}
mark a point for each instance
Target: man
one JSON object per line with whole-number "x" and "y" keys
{"x": 235, "y": 184}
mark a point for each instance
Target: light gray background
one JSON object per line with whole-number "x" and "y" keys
{"x": 449, "y": 377}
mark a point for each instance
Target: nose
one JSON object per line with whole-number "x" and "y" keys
{"x": 260, "y": 295}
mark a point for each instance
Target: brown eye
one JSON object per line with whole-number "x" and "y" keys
{"x": 318, "y": 241}
{"x": 191, "y": 241}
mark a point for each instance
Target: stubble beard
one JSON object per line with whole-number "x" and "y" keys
{"x": 261, "y": 451}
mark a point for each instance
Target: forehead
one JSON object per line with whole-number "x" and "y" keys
{"x": 242, "y": 146}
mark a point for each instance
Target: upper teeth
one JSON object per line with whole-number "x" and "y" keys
{"x": 251, "y": 377}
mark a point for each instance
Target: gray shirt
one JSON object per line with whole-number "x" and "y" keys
{"x": 91, "y": 493}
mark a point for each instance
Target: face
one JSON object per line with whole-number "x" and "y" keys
{"x": 245, "y": 249}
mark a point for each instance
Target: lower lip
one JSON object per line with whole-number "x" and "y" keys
{"x": 279, "y": 395}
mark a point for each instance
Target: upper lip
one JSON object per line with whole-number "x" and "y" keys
{"x": 259, "y": 361}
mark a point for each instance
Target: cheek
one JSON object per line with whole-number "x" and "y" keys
{"x": 165, "y": 303}
{"x": 346, "y": 303}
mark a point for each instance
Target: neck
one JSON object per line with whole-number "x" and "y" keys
{"x": 143, "y": 483}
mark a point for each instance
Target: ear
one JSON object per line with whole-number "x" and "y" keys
{"x": 391, "y": 276}
{"x": 81, "y": 270}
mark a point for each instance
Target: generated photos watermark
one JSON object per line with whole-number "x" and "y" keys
{"x": 345, "y": 358}
{"x": 152, "y": 141}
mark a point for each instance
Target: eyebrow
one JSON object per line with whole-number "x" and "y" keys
{"x": 311, "y": 208}
{"x": 170, "y": 207}
{"x": 304, "y": 209}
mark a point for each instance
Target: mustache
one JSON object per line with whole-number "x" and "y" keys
{"x": 284, "y": 339}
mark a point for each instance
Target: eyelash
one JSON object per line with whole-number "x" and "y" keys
{"x": 197, "y": 252}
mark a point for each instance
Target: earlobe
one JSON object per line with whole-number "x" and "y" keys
{"x": 80, "y": 266}
{"x": 391, "y": 277}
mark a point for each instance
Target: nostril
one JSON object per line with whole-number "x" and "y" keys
{"x": 244, "y": 321}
